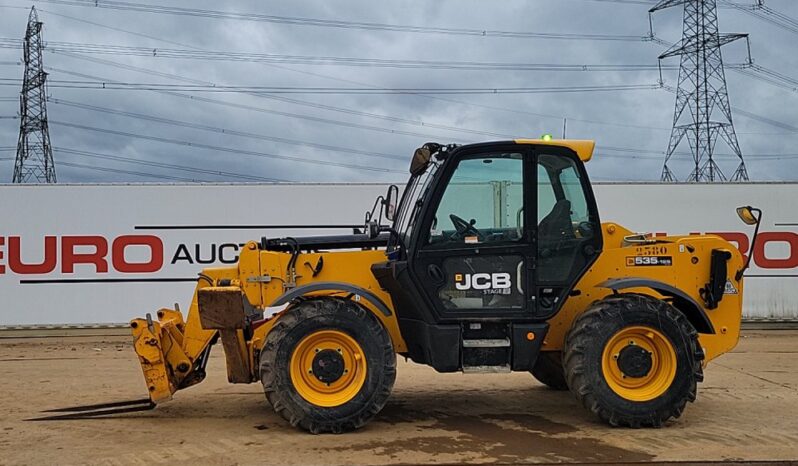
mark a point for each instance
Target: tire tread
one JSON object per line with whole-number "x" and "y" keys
{"x": 589, "y": 324}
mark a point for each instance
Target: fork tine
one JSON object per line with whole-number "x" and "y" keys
{"x": 115, "y": 404}
{"x": 105, "y": 409}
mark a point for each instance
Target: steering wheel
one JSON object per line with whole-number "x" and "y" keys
{"x": 464, "y": 228}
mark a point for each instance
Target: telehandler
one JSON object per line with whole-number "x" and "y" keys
{"x": 494, "y": 261}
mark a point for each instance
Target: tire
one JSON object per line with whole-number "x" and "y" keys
{"x": 595, "y": 371}
{"x": 367, "y": 380}
{"x": 549, "y": 371}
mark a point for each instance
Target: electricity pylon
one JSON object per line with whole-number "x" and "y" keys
{"x": 34, "y": 162}
{"x": 702, "y": 109}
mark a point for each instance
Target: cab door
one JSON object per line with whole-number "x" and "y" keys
{"x": 568, "y": 230}
{"x": 474, "y": 254}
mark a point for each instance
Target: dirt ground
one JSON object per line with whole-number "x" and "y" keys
{"x": 747, "y": 410}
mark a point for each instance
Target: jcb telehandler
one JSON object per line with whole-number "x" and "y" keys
{"x": 494, "y": 261}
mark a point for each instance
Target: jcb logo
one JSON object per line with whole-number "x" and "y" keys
{"x": 482, "y": 281}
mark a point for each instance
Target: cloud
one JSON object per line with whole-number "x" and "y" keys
{"x": 638, "y": 120}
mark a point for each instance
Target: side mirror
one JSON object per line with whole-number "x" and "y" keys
{"x": 750, "y": 216}
{"x": 390, "y": 202}
{"x": 421, "y": 158}
{"x": 747, "y": 215}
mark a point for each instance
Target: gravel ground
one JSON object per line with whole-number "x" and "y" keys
{"x": 747, "y": 411}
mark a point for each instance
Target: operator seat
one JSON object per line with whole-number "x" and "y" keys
{"x": 557, "y": 224}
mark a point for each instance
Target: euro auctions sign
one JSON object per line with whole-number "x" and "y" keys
{"x": 107, "y": 253}
{"x": 126, "y": 254}
{"x": 64, "y": 253}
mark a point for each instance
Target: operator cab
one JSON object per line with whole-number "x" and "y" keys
{"x": 487, "y": 241}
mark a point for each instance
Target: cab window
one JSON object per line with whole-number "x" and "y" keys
{"x": 482, "y": 203}
{"x": 564, "y": 221}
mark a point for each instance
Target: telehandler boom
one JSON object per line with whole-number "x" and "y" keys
{"x": 494, "y": 261}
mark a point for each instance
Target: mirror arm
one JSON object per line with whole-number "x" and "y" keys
{"x": 740, "y": 272}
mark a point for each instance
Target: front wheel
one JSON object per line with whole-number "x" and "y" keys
{"x": 633, "y": 360}
{"x": 328, "y": 365}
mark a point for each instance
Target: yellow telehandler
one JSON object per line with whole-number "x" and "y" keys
{"x": 493, "y": 260}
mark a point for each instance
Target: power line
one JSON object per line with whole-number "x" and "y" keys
{"x": 764, "y": 13}
{"x": 752, "y": 116}
{"x": 657, "y": 153}
{"x": 128, "y": 86}
{"x": 239, "y": 106}
{"x": 345, "y": 110}
{"x": 127, "y": 172}
{"x": 392, "y": 119}
{"x": 780, "y": 16}
{"x": 348, "y": 81}
{"x": 770, "y": 76}
{"x": 214, "y": 129}
{"x": 224, "y": 149}
{"x": 170, "y": 166}
{"x": 334, "y": 78}
{"x": 371, "y": 26}
{"x": 317, "y": 60}
{"x": 332, "y": 108}
{"x": 758, "y": 10}
{"x": 764, "y": 157}
{"x": 765, "y": 120}
{"x": 123, "y": 5}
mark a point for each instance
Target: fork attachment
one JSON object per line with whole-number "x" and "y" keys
{"x": 96, "y": 410}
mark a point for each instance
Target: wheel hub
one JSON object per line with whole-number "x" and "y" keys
{"x": 639, "y": 363}
{"x": 328, "y": 366}
{"x": 634, "y": 361}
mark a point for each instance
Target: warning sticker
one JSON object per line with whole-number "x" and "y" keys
{"x": 638, "y": 261}
{"x": 729, "y": 289}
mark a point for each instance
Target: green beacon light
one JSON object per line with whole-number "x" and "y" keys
{"x": 547, "y": 137}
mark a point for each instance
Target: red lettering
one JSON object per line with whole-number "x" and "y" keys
{"x": 761, "y": 259}
{"x": 47, "y": 264}
{"x": 70, "y": 257}
{"x": 2, "y": 267}
{"x": 152, "y": 242}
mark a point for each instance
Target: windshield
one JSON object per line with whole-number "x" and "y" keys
{"x": 412, "y": 198}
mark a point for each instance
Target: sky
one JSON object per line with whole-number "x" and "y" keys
{"x": 156, "y": 136}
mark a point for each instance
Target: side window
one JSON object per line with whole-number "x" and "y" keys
{"x": 572, "y": 187}
{"x": 564, "y": 223}
{"x": 546, "y": 197}
{"x": 483, "y": 202}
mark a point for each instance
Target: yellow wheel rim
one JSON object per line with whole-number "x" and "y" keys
{"x": 328, "y": 368}
{"x": 640, "y": 384}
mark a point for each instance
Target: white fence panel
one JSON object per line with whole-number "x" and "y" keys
{"x": 106, "y": 253}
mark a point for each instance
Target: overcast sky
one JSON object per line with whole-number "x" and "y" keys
{"x": 634, "y": 119}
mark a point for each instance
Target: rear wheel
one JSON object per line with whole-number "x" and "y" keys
{"x": 633, "y": 360}
{"x": 549, "y": 371}
{"x": 328, "y": 365}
